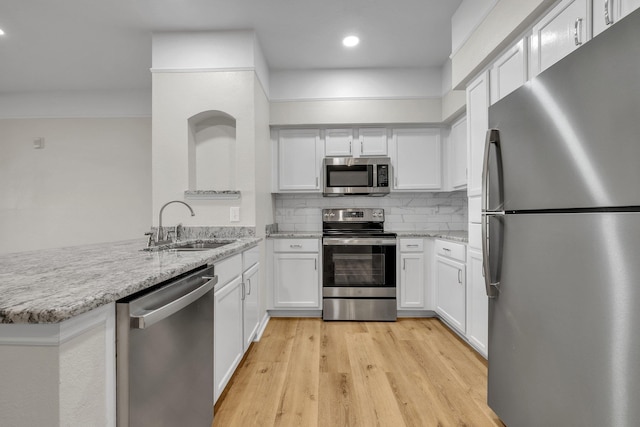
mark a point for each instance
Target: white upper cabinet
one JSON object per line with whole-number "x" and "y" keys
{"x": 373, "y": 141}
{"x": 608, "y": 12}
{"x": 369, "y": 142}
{"x": 299, "y": 159}
{"x": 338, "y": 142}
{"x": 509, "y": 71}
{"x": 565, "y": 28}
{"x": 477, "y": 124}
{"x": 417, "y": 161}
{"x": 458, "y": 154}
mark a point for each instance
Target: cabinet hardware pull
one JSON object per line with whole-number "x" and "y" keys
{"x": 577, "y": 33}
{"x": 315, "y": 264}
{"x": 243, "y": 291}
{"x": 316, "y": 181}
{"x": 249, "y": 281}
{"x": 446, "y": 249}
{"x": 350, "y": 147}
{"x": 361, "y": 146}
{"x": 412, "y": 246}
{"x": 460, "y": 276}
{"x": 404, "y": 264}
{"x": 607, "y": 16}
{"x": 295, "y": 246}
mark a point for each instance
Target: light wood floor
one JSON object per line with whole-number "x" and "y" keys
{"x": 306, "y": 372}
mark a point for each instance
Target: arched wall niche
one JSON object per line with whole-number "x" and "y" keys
{"x": 212, "y": 152}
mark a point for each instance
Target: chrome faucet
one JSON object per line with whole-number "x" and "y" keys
{"x": 161, "y": 239}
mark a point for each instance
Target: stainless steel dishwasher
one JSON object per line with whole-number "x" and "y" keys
{"x": 165, "y": 354}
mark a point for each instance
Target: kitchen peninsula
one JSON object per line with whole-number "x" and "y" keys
{"x": 57, "y": 324}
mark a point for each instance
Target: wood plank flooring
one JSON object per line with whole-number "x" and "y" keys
{"x": 306, "y": 372}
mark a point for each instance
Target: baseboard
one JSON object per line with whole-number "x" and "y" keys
{"x": 295, "y": 313}
{"x": 416, "y": 313}
{"x": 263, "y": 325}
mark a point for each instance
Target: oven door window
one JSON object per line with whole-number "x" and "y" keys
{"x": 350, "y": 176}
{"x": 359, "y": 266}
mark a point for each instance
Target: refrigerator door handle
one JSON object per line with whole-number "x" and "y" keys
{"x": 491, "y": 286}
{"x": 493, "y": 138}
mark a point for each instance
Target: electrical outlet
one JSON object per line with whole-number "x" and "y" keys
{"x": 234, "y": 214}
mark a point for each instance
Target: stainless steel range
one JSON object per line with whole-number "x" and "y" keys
{"x": 359, "y": 266}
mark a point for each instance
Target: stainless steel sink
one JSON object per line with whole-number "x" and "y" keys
{"x": 200, "y": 246}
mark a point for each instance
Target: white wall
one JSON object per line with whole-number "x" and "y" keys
{"x": 91, "y": 183}
{"x": 76, "y": 104}
{"x": 209, "y": 50}
{"x": 466, "y": 19}
{"x": 392, "y": 83}
{"x": 176, "y": 98}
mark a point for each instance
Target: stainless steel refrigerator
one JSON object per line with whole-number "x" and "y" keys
{"x": 561, "y": 237}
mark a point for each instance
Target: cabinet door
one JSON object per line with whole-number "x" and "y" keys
{"x": 458, "y": 154}
{"x": 559, "y": 33}
{"x": 509, "y": 72}
{"x": 451, "y": 292}
{"x": 296, "y": 280}
{"x": 412, "y": 283}
{"x": 477, "y": 124}
{"x": 373, "y": 141}
{"x": 417, "y": 159}
{"x": 298, "y": 160}
{"x": 605, "y": 13}
{"x": 628, "y": 6}
{"x": 477, "y": 304}
{"x": 227, "y": 337}
{"x": 338, "y": 142}
{"x": 251, "y": 320}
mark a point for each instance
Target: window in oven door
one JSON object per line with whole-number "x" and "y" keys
{"x": 346, "y": 265}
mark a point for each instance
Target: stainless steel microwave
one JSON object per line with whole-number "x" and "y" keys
{"x": 365, "y": 176}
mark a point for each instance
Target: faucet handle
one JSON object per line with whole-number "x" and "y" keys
{"x": 149, "y": 239}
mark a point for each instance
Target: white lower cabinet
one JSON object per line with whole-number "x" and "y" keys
{"x": 477, "y": 304}
{"x": 450, "y": 281}
{"x": 236, "y": 313}
{"x": 227, "y": 336}
{"x": 412, "y": 289}
{"x": 250, "y": 309}
{"x": 296, "y": 274}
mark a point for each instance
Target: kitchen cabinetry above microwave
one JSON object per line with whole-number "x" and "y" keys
{"x": 355, "y": 142}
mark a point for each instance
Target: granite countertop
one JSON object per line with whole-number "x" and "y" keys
{"x": 52, "y": 285}
{"x": 296, "y": 235}
{"x": 453, "y": 235}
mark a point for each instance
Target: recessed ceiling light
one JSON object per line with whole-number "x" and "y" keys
{"x": 1, "y": 32}
{"x": 350, "y": 41}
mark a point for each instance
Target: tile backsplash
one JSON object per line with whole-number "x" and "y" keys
{"x": 403, "y": 211}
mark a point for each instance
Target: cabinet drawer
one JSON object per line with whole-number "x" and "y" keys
{"x": 250, "y": 257}
{"x": 228, "y": 269}
{"x": 295, "y": 245}
{"x": 451, "y": 250}
{"x": 411, "y": 245}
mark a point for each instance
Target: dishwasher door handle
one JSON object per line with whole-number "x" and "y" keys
{"x": 142, "y": 321}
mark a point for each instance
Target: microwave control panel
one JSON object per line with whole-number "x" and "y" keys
{"x": 383, "y": 175}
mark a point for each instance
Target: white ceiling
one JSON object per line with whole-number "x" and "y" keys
{"x": 53, "y": 45}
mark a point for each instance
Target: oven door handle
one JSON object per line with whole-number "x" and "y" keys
{"x": 357, "y": 241}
